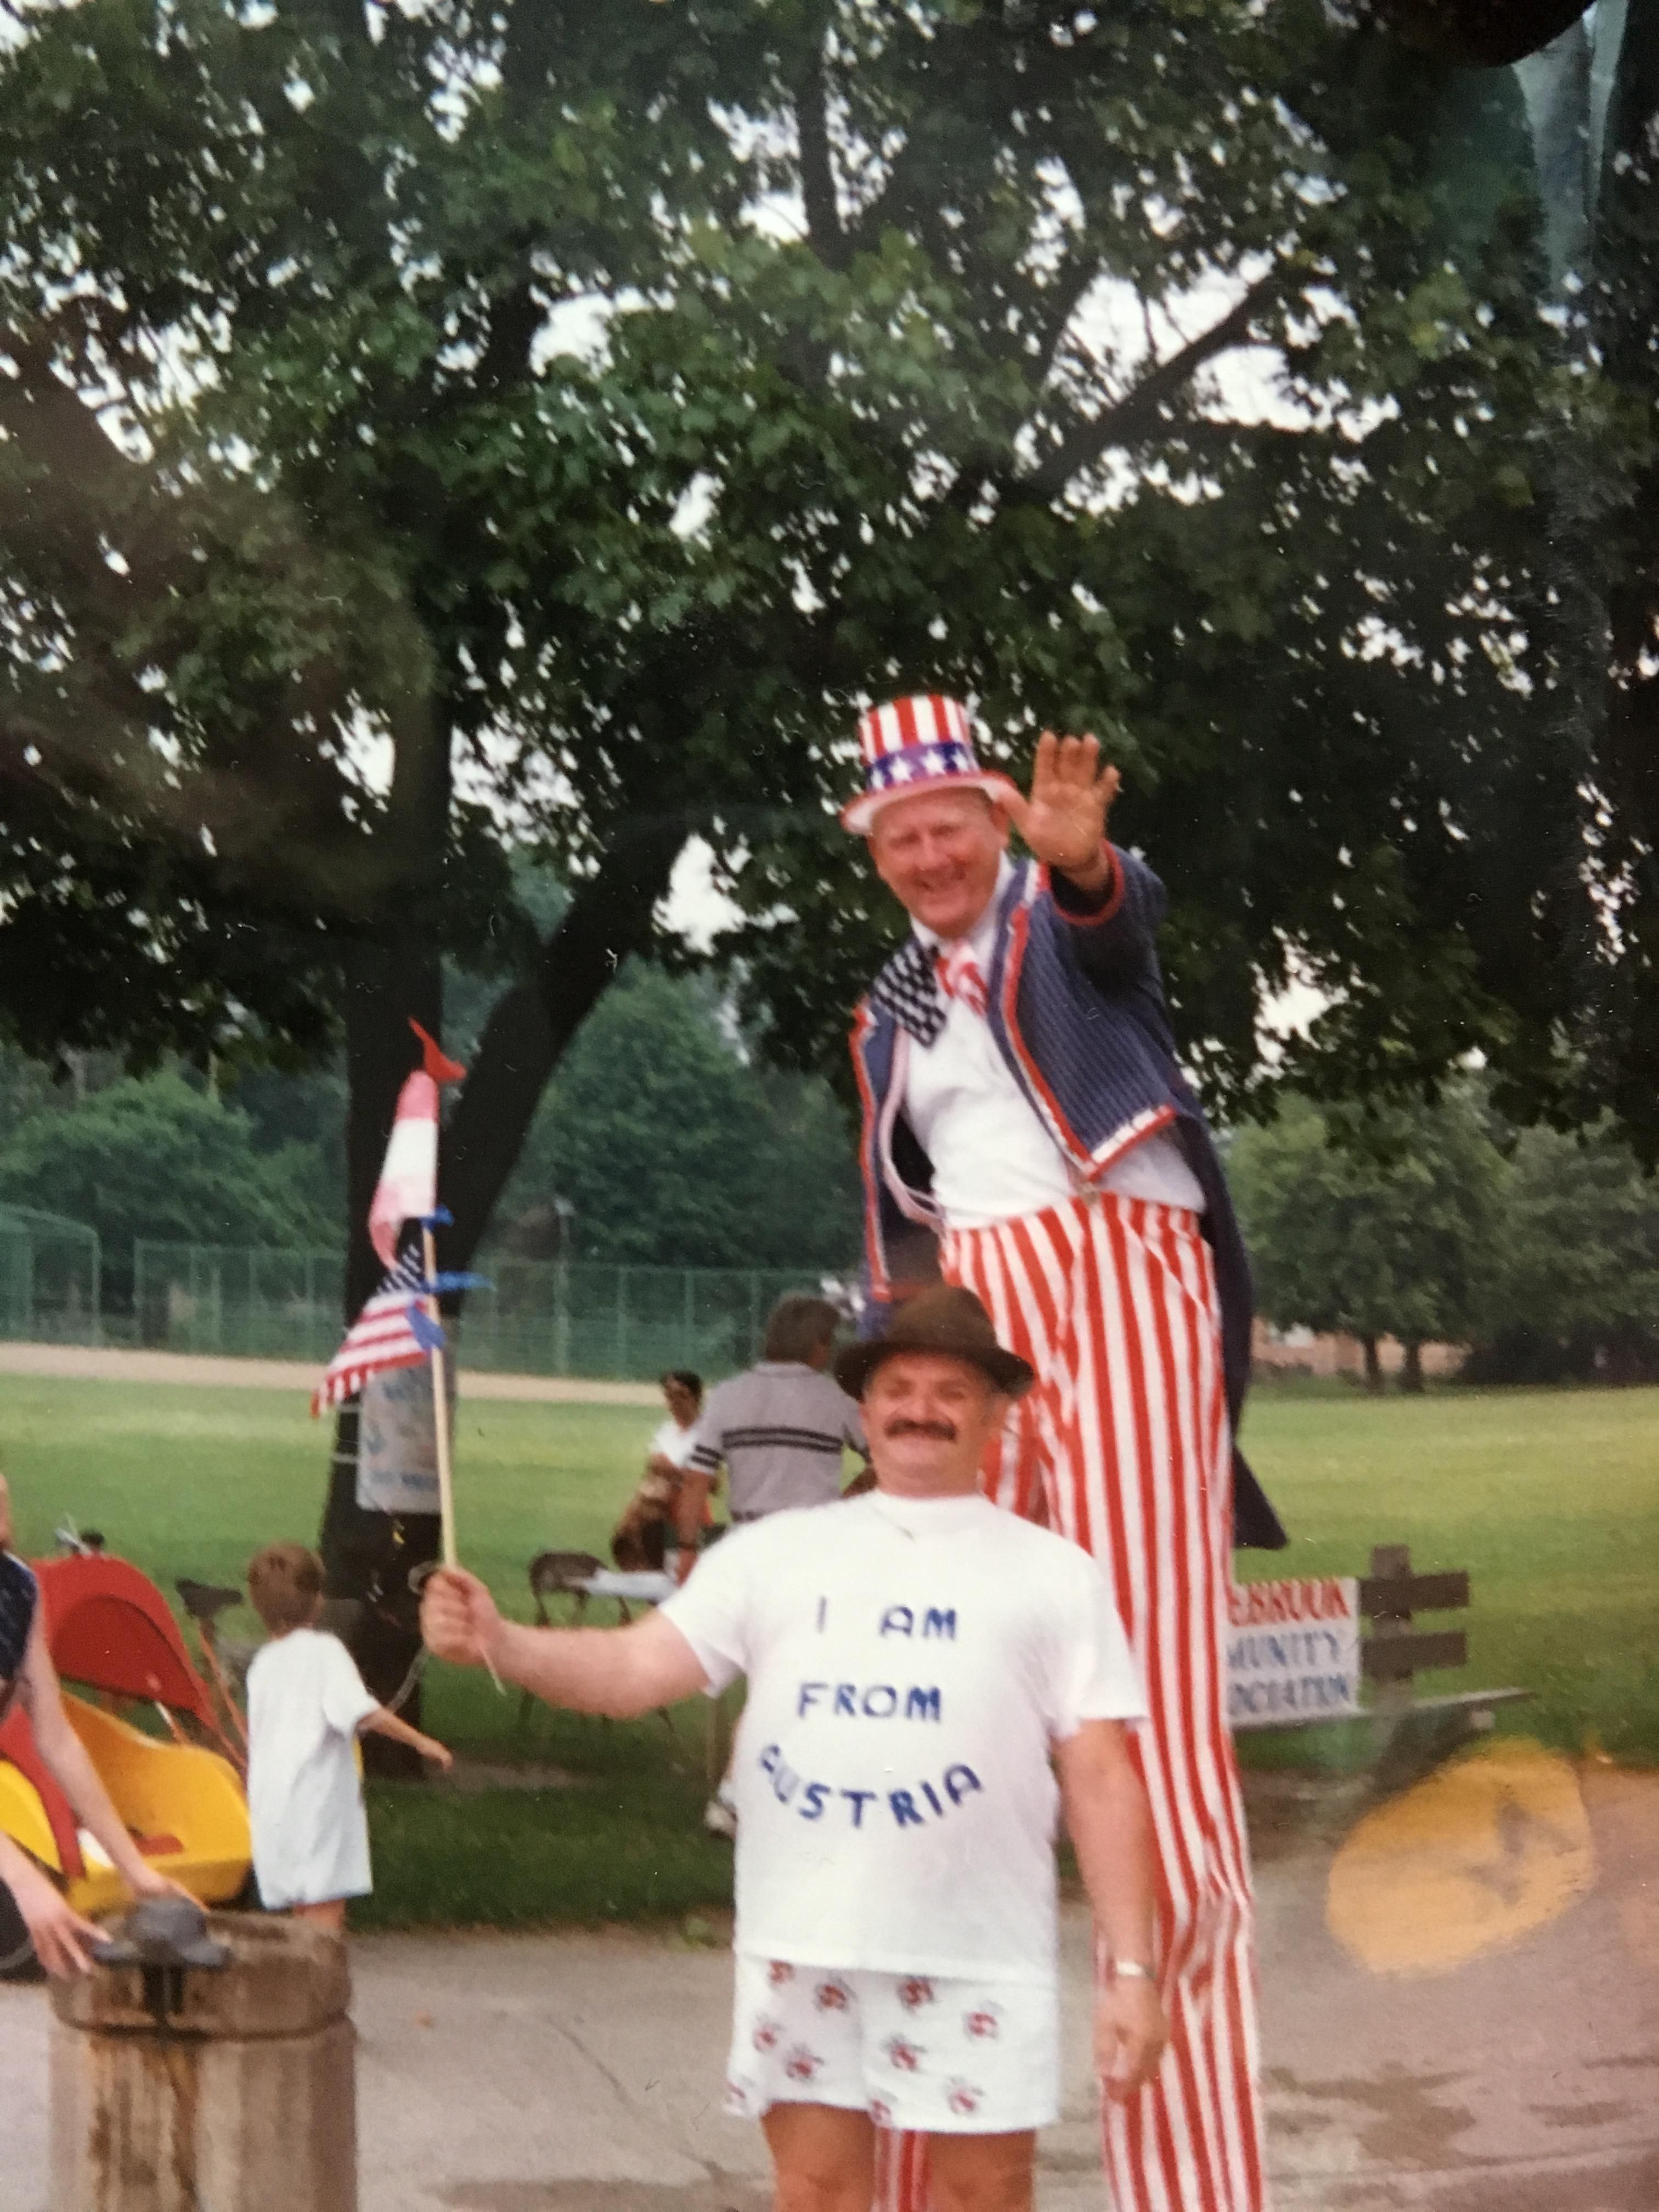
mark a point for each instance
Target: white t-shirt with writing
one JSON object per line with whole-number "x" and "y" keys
{"x": 910, "y": 1663}
{"x": 306, "y": 1702}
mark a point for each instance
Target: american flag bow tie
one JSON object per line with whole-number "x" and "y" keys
{"x": 914, "y": 984}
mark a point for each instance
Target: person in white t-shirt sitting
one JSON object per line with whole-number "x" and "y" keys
{"x": 931, "y": 1680}
{"x": 640, "y": 1538}
{"x": 306, "y": 1705}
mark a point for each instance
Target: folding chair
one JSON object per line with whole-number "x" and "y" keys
{"x": 566, "y": 1574}
{"x": 554, "y": 1574}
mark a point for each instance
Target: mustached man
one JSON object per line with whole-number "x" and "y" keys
{"x": 1027, "y": 1131}
{"x": 930, "y": 1680}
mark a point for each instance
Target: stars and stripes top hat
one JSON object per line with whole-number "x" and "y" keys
{"x": 913, "y": 745}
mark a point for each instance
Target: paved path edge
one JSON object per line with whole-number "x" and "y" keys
{"x": 107, "y": 1362}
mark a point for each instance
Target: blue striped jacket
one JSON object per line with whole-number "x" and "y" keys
{"x": 1076, "y": 1005}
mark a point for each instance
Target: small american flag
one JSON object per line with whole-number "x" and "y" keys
{"x": 394, "y": 1329}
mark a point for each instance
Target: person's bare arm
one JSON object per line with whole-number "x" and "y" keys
{"x": 619, "y": 1672}
{"x": 1111, "y": 1826}
{"x": 688, "y": 1502}
{"x": 66, "y": 1760}
{"x": 62, "y": 1937}
{"x": 384, "y": 1721}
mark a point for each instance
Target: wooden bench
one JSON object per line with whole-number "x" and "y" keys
{"x": 1418, "y": 1733}
{"x": 1390, "y": 1597}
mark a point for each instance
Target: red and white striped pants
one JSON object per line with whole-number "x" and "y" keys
{"x": 1123, "y": 1446}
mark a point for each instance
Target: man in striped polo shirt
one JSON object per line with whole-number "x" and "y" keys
{"x": 779, "y": 1429}
{"x": 1023, "y": 1106}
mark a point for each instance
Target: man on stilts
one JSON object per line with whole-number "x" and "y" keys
{"x": 1022, "y": 1105}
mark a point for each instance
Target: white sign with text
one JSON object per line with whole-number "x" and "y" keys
{"x": 1292, "y": 1652}
{"x": 397, "y": 1443}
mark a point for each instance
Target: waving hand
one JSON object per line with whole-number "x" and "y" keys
{"x": 1064, "y": 820}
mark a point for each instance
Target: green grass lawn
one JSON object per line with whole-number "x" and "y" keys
{"x": 1550, "y": 1499}
{"x": 192, "y": 1481}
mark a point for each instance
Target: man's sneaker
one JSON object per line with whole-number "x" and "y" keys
{"x": 719, "y": 1817}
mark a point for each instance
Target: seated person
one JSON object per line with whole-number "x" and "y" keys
{"x": 640, "y": 1538}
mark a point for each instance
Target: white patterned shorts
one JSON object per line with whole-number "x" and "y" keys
{"x": 914, "y": 2051}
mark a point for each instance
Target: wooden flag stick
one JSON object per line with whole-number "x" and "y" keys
{"x": 440, "y": 1416}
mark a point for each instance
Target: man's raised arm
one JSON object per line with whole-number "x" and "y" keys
{"x": 1114, "y": 900}
{"x": 618, "y": 1672}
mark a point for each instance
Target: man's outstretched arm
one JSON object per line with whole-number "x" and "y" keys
{"x": 618, "y": 1672}
{"x": 1114, "y": 900}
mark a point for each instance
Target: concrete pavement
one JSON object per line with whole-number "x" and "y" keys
{"x": 580, "y": 2072}
{"x": 1523, "y": 2079}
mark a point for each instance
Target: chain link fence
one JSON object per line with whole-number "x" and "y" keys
{"x": 51, "y": 1278}
{"x": 539, "y": 1317}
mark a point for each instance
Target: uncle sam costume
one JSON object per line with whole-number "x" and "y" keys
{"x": 1086, "y": 1205}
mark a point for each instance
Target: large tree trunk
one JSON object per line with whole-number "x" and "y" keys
{"x": 1411, "y": 1375}
{"x": 1373, "y": 1362}
{"x": 386, "y": 980}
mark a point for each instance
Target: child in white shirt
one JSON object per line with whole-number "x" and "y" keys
{"x": 306, "y": 1705}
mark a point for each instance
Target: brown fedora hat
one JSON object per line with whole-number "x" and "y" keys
{"x": 948, "y": 1321}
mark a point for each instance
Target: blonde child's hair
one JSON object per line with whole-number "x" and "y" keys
{"x": 284, "y": 1582}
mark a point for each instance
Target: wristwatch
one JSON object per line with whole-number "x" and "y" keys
{"x": 1131, "y": 1970}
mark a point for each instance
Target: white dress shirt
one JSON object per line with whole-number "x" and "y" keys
{"x": 993, "y": 1159}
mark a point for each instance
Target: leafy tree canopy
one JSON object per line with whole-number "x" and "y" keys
{"x": 1385, "y": 1230}
{"x": 583, "y": 408}
{"x": 1540, "y": 1249}
{"x": 675, "y": 1146}
{"x": 159, "y": 1159}
{"x": 1578, "y": 1290}
{"x": 674, "y": 1151}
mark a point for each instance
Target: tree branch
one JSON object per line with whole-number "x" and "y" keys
{"x": 1139, "y": 412}
{"x": 817, "y": 174}
{"x": 514, "y": 319}
{"x": 610, "y": 917}
{"x": 1054, "y": 305}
